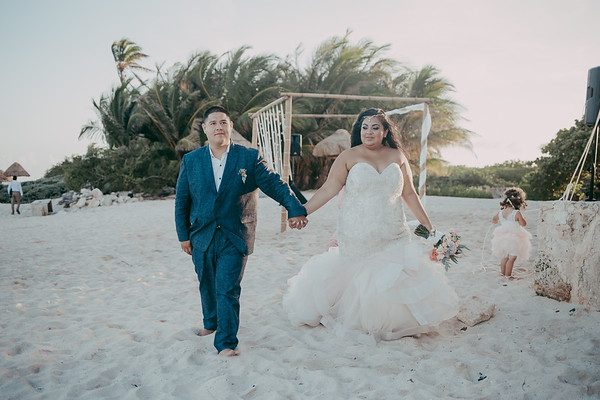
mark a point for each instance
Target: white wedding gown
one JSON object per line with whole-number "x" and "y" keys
{"x": 378, "y": 284}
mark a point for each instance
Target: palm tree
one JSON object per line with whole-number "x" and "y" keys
{"x": 127, "y": 54}
{"x": 248, "y": 84}
{"x": 445, "y": 114}
{"x": 116, "y": 114}
{"x": 337, "y": 66}
{"x": 169, "y": 108}
{"x": 240, "y": 83}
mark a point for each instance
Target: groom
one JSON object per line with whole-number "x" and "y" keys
{"x": 215, "y": 218}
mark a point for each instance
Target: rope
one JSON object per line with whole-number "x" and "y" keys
{"x": 483, "y": 267}
{"x": 568, "y": 195}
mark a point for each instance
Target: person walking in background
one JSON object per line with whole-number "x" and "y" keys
{"x": 215, "y": 217}
{"x": 15, "y": 192}
{"x": 510, "y": 240}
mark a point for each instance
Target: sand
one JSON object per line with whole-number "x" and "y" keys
{"x": 102, "y": 303}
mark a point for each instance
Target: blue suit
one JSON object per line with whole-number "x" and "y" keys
{"x": 221, "y": 227}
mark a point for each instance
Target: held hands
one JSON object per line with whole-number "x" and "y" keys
{"x": 298, "y": 222}
{"x": 294, "y": 223}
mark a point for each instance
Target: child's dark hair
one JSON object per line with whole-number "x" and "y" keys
{"x": 514, "y": 197}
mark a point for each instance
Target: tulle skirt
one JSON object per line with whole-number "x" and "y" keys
{"x": 383, "y": 296}
{"x": 511, "y": 241}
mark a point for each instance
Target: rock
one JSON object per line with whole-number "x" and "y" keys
{"x": 40, "y": 208}
{"x": 95, "y": 202}
{"x": 67, "y": 198}
{"x": 106, "y": 201}
{"x": 167, "y": 191}
{"x": 81, "y": 202}
{"x": 474, "y": 310}
{"x": 567, "y": 267}
{"x": 97, "y": 193}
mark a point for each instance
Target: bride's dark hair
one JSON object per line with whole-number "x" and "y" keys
{"x": 390, "y": 139}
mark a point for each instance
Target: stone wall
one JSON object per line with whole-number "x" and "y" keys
{"x": 568, "y": 261}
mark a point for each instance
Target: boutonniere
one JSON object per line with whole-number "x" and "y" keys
{"x": 243, "y": 174}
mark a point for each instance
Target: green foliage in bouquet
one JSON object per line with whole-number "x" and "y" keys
{"x": 446, "y": 249}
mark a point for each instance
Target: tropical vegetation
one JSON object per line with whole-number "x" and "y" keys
{"x": 559, "y": 160}
{"x": 165, "y": 110}
{"x": 486, "y": 182}
{"x": 146, "y": 125}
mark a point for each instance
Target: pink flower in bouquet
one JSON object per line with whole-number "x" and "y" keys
{"x": 433, "y": 255}
{"x": 446, "y": 249}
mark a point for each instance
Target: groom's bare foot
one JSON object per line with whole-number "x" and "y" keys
{"x": 228, "y": 353}
{"x": 205, "y": 332}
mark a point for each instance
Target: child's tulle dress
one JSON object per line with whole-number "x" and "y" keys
{"x": 510, "y": 238}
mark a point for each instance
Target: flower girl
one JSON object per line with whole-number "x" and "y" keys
{"x": 509, "y": 239}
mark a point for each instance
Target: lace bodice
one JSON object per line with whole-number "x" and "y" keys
{"x": 372, "y": 214}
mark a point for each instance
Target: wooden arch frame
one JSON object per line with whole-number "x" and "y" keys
{"x": 287, "y": 131}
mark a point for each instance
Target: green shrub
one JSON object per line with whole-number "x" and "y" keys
{"x": 459, "y": 191}
{"x": 44, "y": 188}
{"x": 141, "y": 167}
{"x": 461, "y": 181}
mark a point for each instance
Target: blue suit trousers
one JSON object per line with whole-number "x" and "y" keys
{"x": 220, "y": 270}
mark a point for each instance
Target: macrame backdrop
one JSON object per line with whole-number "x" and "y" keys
{"x": 271, "y": 131}
{"x": 270, "y": 124}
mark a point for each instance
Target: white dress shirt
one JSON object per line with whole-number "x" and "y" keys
{"x": 15, "y": 186}
{"x": 219, "y": 166}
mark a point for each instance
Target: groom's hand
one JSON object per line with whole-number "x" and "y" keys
{"x": 298, "y": 222}
{"x": 186, "y": 246}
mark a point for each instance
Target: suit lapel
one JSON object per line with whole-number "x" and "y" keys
{"x": 230, "y": 168}
{"x": 207, "y": 170}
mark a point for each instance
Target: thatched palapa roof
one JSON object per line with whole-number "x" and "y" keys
{"x": 4, "y": 177}
{"x": 237, "y": 138}
{"x": 16, "y": 170}
{"x": 333, "y": 145}
{"x": 189, "y": 143}
{"x": 192, "y": 141}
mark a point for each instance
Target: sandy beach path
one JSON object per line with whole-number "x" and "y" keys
{"x": 102, "y": 303}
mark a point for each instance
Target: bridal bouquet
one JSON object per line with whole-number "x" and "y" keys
{"x": 446, "y": 249}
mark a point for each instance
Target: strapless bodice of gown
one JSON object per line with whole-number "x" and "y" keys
{"x": 372, "y": 215}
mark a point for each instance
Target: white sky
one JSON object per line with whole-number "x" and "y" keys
{"x": 519, "y": 67}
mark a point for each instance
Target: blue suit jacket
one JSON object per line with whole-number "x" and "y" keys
{"x": 199, "y": 208}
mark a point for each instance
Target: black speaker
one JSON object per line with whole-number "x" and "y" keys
{"x": 592, "y": 98}
{"x": 296, "y": 145}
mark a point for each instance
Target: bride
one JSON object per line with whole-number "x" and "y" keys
{"x": 377, "y": 282}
